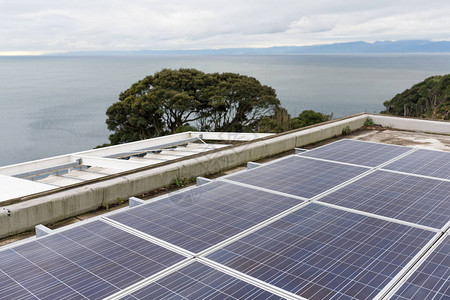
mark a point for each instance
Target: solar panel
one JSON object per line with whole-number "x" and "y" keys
{"x": 198, "y": 281}
{"x": 200, "y": 218}
{"x": 357, "y": 152}
{"x": 299, "y": 176}
{"x": 432, "y": 279}
{"x": 424, "y": 162}
{"x": 90, "y": 261}
{"x": 409, "y": 198}
{"x": 320, "y": 252}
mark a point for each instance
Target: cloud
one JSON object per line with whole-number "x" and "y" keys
{"x": 51, "y": 25}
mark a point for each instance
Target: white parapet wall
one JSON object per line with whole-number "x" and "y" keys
{"x": 439, "y": 127}
{"x": 47, "y": 209}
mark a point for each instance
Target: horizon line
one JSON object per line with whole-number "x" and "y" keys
{"x": 62, "y": 52}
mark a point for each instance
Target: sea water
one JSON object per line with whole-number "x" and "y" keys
{"x": 56, "y": 105}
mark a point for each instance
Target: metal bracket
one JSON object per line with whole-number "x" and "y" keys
{"x": 41, "y": 230}
{"x": 300, "y": 150}
{"x": 252, "y": 165}
{"x": 202, "y": 180}
{"x": 133, "y": 201}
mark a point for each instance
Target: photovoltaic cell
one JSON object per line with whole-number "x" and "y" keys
{"x": 357, "y": 152}
{"x": 432, "y": 279}
{"x": 299, "y": 176}
{"x": 87, "y": 262}
{"x": 202, "y": 217}
{"x": 320, "y": 252}
{"x": 409, "y": 198}
{"x": 198, "y": 281}
{"x": 424, "y": 162}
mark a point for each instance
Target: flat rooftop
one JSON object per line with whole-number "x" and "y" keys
{"x": 351, "y": 217}
{"x": 406, "y": 138}
{"x": 418, "y": 140}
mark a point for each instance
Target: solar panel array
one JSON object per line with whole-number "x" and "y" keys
{"x": 424, "y": 162}
{"x": 348, "y": 220}
{"x": 413, "y": 199}
{"x": 358, "y": 152}
{"x": 299, "y": 176}
{"x": 432, "y": 279}
{"x": 320, "y": 252}
{"x": 198, "y": 219}
{"x": 198, "y": 281}
{"x": 88, "y": 262}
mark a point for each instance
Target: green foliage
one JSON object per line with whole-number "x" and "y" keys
{"x": 134, "y": 118}
{"x": 282, "y": 121}
{"x": 181, "y": 182}
{"x": 178, "y": 182}
{"x": 173, "y": 101}
{"x": 309, "y": 117}
{"x": 105, "y": 205}
{"x": 277, "y": 123}
{"x": 428, "y": 99}
{"x": 346, "y": 130}
{"x": 186, "y": 127}
{"x": 369, "y": 123}
{"x": 102, "y": 145}
{"x": 168, "y": 101}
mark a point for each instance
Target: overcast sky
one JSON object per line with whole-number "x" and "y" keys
{"x": 73, "y": 25}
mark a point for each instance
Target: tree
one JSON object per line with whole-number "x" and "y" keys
{"x": 171, "y": 99}
{"x": 279, "y": 122}
{"x": 428, "y": 99}
{"x": 237, "y": 103}
{"x": 134, "y": 118}
{"x": 309, "y": 117}
{"x": 282, "y": 121}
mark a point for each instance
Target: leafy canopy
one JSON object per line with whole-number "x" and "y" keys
{"x": 282, "y": 121}
{"x": 172, "y": 100}
{"x": 309, "y": 117}
{"x": 429, "y": 99}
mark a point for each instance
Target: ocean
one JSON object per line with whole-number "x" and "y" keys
{"x": 56, "y": 105}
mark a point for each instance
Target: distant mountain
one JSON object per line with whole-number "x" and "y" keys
{"x": 377, "y": 47}
{"x": 411, "y": 46}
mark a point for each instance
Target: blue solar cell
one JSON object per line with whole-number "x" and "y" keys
{"x": 432, "y": 279}
{"x": 320, "y": 252}
{"x": 198, "y": 281}
{"x": 357, "y": 152}
{"x": 299, "y": 176}
{"x": 90, "y": 261}
{"x": 424, "y": 162}
{"x": 200, "y": 218}
{"x": 409, "y": 198}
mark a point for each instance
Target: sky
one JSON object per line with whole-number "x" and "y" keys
{"x": 46, "y": 26}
